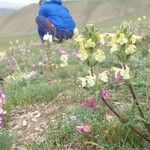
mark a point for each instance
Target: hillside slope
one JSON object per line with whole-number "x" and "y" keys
{"x": 86, "y": 11}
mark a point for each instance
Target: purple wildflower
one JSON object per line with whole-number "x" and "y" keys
{"x": 89, "y": 102}
{"x": 83, "y": 129}
{"x": 117, "y": 79}
{"x": 2, "y": 97}
{"x": 104, "y": 94}
{"x": 74, "y": 53}
{"x": 1, "y": 117}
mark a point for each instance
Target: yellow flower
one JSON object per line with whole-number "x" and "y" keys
{"x": 103, "y": 76}
{"x": 88, "y": 81}
{"x": 122, "y": 39}
{"x": 80, "y": 40}
{"x": 130, "y": 49}
{"x": 125, "y": 73}
{"x": 113, "y": 38}
{"x": 116, "y": 70}
{"x": 90, "y": 44}
{"x": 102, "y": 38}
{"x": 82, "y": 54}
{"x": 2, "y": 56}
{"x": 91, "y": 80}
{"x": 99, "y": 55}
{"x": 83, "y": 81}
{"x": 136, "y": 38}
{"x": 114, "y": 48}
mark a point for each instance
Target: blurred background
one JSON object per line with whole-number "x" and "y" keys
{"x": 18, "y": 17}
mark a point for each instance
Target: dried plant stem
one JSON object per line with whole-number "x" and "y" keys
{"x": 123, "y": 120}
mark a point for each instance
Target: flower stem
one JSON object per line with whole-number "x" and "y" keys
{"x": 123, "y": 120}
{"x": 138, "y": 106}
{"x": 147, "y": 126}
{"x": 92, "y": 72}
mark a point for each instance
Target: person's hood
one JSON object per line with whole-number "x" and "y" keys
{"x": 54, "y": 1}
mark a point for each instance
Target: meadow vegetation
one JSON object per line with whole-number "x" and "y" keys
{"x": 88, "y": 93}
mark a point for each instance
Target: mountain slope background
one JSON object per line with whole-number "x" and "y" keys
{"x": 22, "y": 21}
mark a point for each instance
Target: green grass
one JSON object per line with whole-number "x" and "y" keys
{"x": 6, "y": 139}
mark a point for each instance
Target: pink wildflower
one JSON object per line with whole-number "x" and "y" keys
{"x": 62, "y": 51}
{"x": 117, "y": 79}
{"x": 1, "y": 117}
{"x": 104, "y": 94}
{"x": 2, "y": 97}
{"x": 83, "y": 129}
{"x": 89, "y": 102}
{"x": 74, "y": 53}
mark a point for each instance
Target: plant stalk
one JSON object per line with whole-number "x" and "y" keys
{"x": 123, "y": 120}
{"x": 147, "y": 126}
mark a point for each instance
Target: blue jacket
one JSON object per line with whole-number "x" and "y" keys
{"x": 58, "y": 14}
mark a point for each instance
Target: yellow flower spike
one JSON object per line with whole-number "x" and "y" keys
{"x": 79, "y": 40}
{"x": 90, "y": 44}
{"x": 122, "y": 39}
{"x": 131, "y": 49}
{"x": 99, "y": 55}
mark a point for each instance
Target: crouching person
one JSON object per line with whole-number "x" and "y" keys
{"x": 55, "y": 19}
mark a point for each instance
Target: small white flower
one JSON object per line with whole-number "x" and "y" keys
{"x": 144, "y": 17}
{"x": 48, "y": 37}
{"x": 139, "y": 19}
{"x": 76, "y": 32}
{"x": 64, "y": 58}
{"x": 17, "y": 41}
{"x": 2, "y": 56}
{"x": 10, "y": 42}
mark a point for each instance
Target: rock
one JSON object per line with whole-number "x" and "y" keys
{"x": 24, "y": 123}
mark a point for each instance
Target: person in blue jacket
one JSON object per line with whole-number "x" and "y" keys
{"x": 55, "y": 19}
